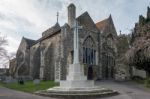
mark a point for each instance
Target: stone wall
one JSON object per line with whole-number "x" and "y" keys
{"x": 137, "y": 72}
{"x": 122, "y": 69}
{"x": 35, "y": 61}
{"x": 22, "y": 58}
{"x": 108, "y": 54}
{"x": 47, "y": 49}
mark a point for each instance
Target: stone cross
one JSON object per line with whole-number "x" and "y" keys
{"x": 76, "y": 43}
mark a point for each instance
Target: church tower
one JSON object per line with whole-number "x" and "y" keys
{"x": 148, "y": 13}
{"x": 71, "y": 15}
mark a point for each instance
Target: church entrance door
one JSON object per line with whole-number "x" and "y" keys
{"x": 90, "y": 73}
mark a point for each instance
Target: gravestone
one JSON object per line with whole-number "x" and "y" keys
{"x": 9, "y": 79}
{"x": 36, "y": 81}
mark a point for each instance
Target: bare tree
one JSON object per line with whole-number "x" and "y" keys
{"x": 5, "y": 57}
{"x": 3, "y": 43}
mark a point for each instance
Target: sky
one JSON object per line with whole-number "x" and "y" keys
{"x": 29, "y": 18}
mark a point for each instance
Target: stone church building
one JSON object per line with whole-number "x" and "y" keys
{"x": 48, "y": 57}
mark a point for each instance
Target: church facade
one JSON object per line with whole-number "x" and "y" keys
{"x": 48, "y": 57}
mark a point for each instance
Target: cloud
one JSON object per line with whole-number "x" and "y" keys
{"x": 30, "y": 18}
{"x": 14, "y": 44}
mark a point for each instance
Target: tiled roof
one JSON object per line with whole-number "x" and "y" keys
{"x": 106, "y": 26}
{"x": 102, "y": 24}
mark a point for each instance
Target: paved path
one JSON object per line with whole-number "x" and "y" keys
{"x": 127, "y": 90}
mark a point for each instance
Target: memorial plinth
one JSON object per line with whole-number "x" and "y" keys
{"x": 76, "y": 78}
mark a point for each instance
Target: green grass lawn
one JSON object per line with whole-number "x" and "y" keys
{"x": 145, "y": 82}
{"x": 139, "y": 81}
{"x": 29, "y": 86}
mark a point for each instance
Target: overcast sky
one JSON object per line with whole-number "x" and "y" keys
{"x": 29, "y": 18}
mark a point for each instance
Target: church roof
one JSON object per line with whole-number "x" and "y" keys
{"x": 102, "y": 24}
{"x": 51, "y": 30}
{"x": 107, "y": 26}
{"x": 29, "y": 41}
{"x": 86, "y": 21}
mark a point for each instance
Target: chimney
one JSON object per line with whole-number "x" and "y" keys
{"x": 71, "y": 15}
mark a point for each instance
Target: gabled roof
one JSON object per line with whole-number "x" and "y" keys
{"x": 86, "y": 21}
{"x": 107, "y": 26}
{"x": 29, "y": 41}
{"x": 102, "y": 24}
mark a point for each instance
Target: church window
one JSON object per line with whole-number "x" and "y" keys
{"x": 89, "y": 52}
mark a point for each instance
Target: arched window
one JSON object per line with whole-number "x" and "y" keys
{"x": 89, "y": 52}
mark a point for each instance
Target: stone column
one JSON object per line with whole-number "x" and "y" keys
{"x": 76, "y": 45}
{"x": 76, "y": 70}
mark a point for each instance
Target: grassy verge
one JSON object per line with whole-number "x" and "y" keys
{"x": 139, "y": 81}
{"x": 144, "y": 82}
{"x": 147, "y": 83}
{"x": 29, "y": 86}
